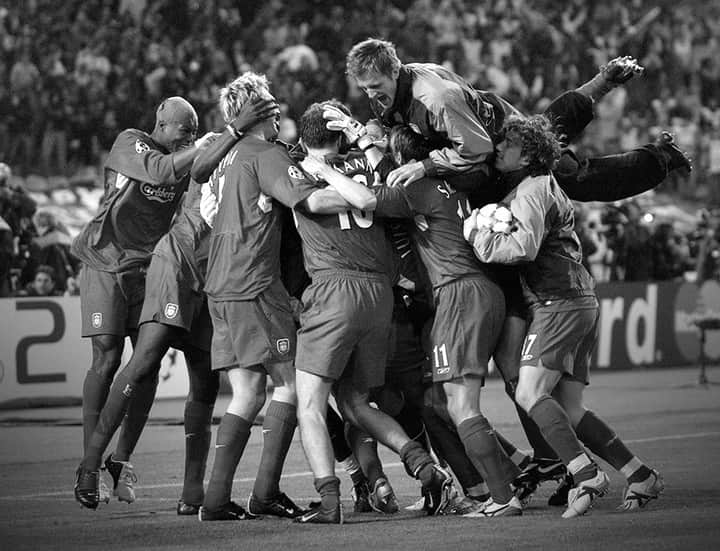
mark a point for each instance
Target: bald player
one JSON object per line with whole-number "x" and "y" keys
{"x": 145, "y": 176}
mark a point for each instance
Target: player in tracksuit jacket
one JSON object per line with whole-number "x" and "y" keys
{"x": 564, "y": 312}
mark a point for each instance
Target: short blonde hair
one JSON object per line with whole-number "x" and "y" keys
{"x": 247, "y": 87}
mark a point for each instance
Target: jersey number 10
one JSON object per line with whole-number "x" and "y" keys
{"x": 363, "y": 219}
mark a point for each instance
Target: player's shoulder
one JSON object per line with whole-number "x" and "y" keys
{"x": 132, "y": 138}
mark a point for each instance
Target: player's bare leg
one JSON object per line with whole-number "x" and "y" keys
{"x": 248, "y": 398}
{"x": 278, "y": 430}
{"x": 533, "y": 393}
{"x": 643, "y": 483}
{"x": 313, "y": 393}
{"x": 481, "y": 445}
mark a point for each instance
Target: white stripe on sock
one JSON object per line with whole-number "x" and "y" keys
{"x": 633, "y": 465}
{"x": 579, "y": 463}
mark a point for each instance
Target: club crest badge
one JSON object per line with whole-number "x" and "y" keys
{"x": 141, "y": 147}
{"x": 283, "y": 346}
{"x": 171, "y": 310}
{"x": 295, "y": 172}
{"x": 96, "y": 319}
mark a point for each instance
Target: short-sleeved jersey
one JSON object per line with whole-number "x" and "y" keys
{"x": 142, "y": 191}
{"x": 244, "y": 256}
{"x": 545, "y": 244}
{"x": 438, "y": 211}
{"x": 188, "y": 241}
{"x": 351, "y": 240}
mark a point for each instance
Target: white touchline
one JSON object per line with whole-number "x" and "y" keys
{"x": 386, "y": 465}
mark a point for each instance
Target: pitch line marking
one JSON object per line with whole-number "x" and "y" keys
{"x": 387, "y": 465}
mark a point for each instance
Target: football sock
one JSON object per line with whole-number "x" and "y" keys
{"x": 540, "y": 446}
{"x": 448, "y": 447}
{"x": 232, "y": 437}
{"x": 518, "y": 457}
{"x": 136, "y": 418}
{"x": 479, "y": 491}
{"x": 109, "y": 420}
{"x": 329, "y": 489}
{"x": 484, "y": 450}
{"x": 555, "y": 426}
{"x": 417, "y": 461}
{"x": 198, "y": 418}
{"x": 95, "y": 392}
{"x": 336, "y": 430}
{"x": 351, "y": 467}
{"x": 365, "y": 450}
{"x": 603, "y": 442}
{"x": 278, "y": 430}
{"x": 582, "y": 468}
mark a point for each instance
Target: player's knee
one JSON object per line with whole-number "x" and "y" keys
{"x": 204, "y": 386}
{"x": 526, "y": 397}
{"x": 106, "y": 354}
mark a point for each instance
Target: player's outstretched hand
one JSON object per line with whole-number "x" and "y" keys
{"x": 621, "y": 69}
{"x": 254, "y": 112}
{"x": 470, "y": 224}
{"x": 341, "y": 122}
{"x": 406, "y": 174}
{"x": 208, "y": 204}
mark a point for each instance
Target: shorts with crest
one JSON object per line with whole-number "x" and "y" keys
{"x": 110, "y": 303}
{"x": 171, "y": 300}
{"x": 345, "y": 326}
{"x": 562, "y": 335}
{"x": 253, "y": 332}
{"x": 469, "y": 316}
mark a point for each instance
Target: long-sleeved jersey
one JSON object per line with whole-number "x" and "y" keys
{"x": 142, "y": 191}
{"x": 460, "y": 122}
{"x": 544, "y": 245}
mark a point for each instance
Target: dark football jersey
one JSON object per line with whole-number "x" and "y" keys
{"x": 351, "y": 240}
{"x": 438, "y": 211}
{"x": 188, "y": 241}
{"x": 142, "y": 192}
{"x": 244, "y": 256}
{"x": 544, "y": 244}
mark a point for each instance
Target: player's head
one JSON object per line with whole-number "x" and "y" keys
{"x": 407, "y": 145}
{"x": 528, "y": 143}
{"x": 314, "y": 132}
{"x": 246, "y": 88}
{"x": 176, "y": 123}
{"x": 375, "y": 66}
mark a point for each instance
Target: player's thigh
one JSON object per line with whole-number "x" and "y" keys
{"x": 467, "y": 324}
{"x": 508, "y": 349}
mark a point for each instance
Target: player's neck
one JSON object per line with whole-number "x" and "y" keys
{"x": 322, "y": 151}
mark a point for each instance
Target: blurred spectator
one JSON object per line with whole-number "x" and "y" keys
{"x": 708, "y": 258}
{"x": 43, "y": 285}
{"x": 669, "y": 256}
{"x": 51, "y": 247}
{"x": 637, "y": 258}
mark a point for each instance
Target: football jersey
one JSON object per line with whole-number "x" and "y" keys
{"x": 244, "y": 257}
{"x": 438, "y": 212}
{"x": 188, "y": 241}
{"x": 545, "y": 244}
{"x": 350, "y": 240}
{"x": 142, "y": 191}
